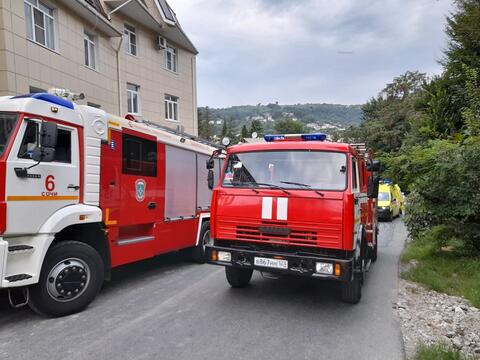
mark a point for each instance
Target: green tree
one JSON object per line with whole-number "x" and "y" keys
{"x": 471, "y": 111}
{"x": 205, "y": 128}
{"x": 257, "y": 127}
{"x": 244, "y": 133}
{"x": 289, "y": 126}
{"x": 224, "y": 129}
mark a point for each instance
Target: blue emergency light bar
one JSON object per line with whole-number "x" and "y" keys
{"x": 304, "y": 137}
{"x": 49, "y": 98}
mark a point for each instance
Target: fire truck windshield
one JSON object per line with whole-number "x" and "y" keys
{"x": 290, "y": 169}
{"x": 7, "y": 124}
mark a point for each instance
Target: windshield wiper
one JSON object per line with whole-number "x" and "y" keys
{"x": 240, "y": 184}
{"x": 272, "y": 186}
{"x": 303, "y": 185}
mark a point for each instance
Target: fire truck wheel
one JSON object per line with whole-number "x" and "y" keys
{"x": 238, "y": 277}
{"x": 71, "y": 277}
{"x": 198, "y": 252}
{"x": 374, "y": 251}
{"x": 352, "y": 290}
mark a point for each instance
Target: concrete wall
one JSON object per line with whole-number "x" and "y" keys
{"x": 24, "y": 63}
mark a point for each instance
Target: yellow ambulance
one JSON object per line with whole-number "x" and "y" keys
{"x": 390, "y": 201}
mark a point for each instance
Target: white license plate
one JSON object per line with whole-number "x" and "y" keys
{"x": 271, "y": 263}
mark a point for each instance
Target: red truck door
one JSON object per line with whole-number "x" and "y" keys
{"x": 131, "y": 194}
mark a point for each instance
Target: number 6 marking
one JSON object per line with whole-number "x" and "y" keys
{"x": 50, "y": 183}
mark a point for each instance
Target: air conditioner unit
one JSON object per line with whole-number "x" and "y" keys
{"x": 161, "y": 42}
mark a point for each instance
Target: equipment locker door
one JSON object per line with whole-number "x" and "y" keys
{"x": 131, "y": 196}
{"x": 139, "y": 183}
{"x": 49, "y": 186}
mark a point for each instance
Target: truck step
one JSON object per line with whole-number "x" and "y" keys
{"x": 19, "y": 248}
{"x": 17, "y": 277}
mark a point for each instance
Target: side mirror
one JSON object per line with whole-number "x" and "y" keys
{"x": 373, "y": 165}
{"x": 43, "y": 154}
{"x": 372, "y": 188}
{"x": 210, "y": 164}
{"x": 210, "y": 179}
{"x": 48, "y": 135}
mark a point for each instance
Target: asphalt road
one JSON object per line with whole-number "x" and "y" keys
{"x": 165, "y": 308}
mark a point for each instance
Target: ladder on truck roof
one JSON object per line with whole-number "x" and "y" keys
{"x": 178, "y": 133}
{"x": 361, "y": 148}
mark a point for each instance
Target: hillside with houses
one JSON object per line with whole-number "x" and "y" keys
{"x": 235, "y": 120}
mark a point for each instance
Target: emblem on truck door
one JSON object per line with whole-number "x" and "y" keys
{"x": 140, "y": 189}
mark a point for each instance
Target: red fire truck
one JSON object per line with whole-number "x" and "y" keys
{"x": 82, "y": 192}
{"x": 299, "y": 205}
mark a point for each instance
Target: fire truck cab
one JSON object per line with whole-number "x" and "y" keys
{"x": 298, "y": 205}
{"x": 82, "y": 192}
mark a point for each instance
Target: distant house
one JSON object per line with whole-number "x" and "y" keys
{"x": 126, "y": 56}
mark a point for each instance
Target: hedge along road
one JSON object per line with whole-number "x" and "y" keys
{"x": 165, "y": 308}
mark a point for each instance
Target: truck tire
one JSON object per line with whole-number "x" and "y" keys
{"x": 352, "y": 290}
{"x": 238, "y": 277}
{"x": 71, "y": 277}
{"x": 374, "y": 254}
{"x": 198, "y": 252}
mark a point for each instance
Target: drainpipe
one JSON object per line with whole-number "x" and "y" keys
{"x": 117, "y": 50}
{"x": 194, "y": 95}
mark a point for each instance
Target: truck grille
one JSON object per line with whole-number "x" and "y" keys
{"x": 280, "y": 233}
{"x": 293, "y": 237}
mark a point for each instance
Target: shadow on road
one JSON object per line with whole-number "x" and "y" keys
{"x": 122, "y": 277}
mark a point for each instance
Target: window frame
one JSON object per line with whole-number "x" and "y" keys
{"x": 133, "y": 93}
{"x": 37, "y": 122}
{"x": 36, "y": 5}
{"x": 128, "y": 31}
{"x": 126, "y": 170}
{"x": 355, "y": 176}
{"x": 173, "y": 52}
{"x": 223, "y": 168}
{"x": 171, "y": 106}
{"x": 90, "y": 39}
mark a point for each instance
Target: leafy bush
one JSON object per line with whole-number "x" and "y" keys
{"x": 445, "y": 182}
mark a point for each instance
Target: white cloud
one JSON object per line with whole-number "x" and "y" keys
{"x": 291, "y": 51}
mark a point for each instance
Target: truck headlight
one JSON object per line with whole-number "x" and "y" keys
{"x": 324, "y": 268}
{"x": 224, "y": 256}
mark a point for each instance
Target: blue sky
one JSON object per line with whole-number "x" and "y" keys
{"x": 318, "y": 51}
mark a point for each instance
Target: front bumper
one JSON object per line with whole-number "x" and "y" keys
{"x": 300, "y": 265}
{"x": 383, "y": 213}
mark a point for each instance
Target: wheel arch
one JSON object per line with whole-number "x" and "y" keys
{"x": 92, "y": 234}
{"x": 203, "y": 218}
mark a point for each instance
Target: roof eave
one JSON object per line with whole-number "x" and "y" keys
{"x": 136, "y": 11}
{"x": 85, "y": 10}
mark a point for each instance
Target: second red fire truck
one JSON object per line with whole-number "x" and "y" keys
{"x": 298, "y": 205}
{"x": 82, "y": 192}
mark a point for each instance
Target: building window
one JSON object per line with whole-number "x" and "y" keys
{"x": 93, "y": 105}
{"x": 40, "y": 23}
{"x": 139, "y": 156}
{"x": 171, "y": 107}
{"x": 34, "y": 90}
{"x": 133, "y": 99}
{"x": 130, "y": 40}
{"x": 171, "y": 58}
{"x": 90, "y": 50}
